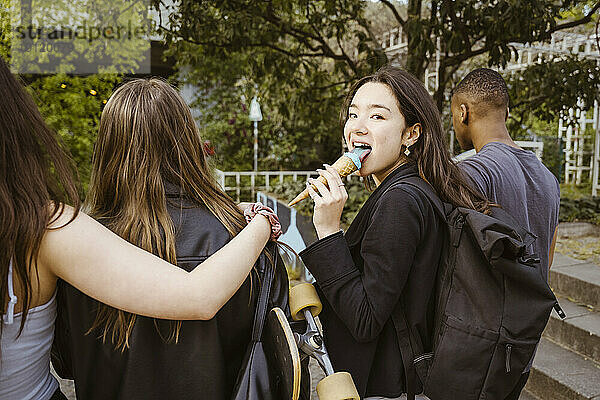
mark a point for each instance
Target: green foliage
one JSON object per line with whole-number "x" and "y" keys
{"x": 552, "y": 157}
{"x": 576, "y": 204}
{"x": 5, "y": 31}
{"x": 546, "y": 90}
{"x": 72, "y": 107}
{"x": 300, "y": 57}
{"x": 295, "y": 56}
{"x": 582, "y": 209}
{"x": 287, "y": 190}
{"x": 80, "y": 37}
{"x": 575, "y": 192}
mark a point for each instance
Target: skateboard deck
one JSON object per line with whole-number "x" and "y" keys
{"x": 282, "y": 351}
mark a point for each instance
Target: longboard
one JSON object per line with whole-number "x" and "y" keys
{"x": 282, "y": 351}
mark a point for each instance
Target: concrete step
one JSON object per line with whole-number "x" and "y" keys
{"x": 579, "y": 332}
{"x": 525, "y": 395}
{"x": 576, "y": 279}
{"x": 560, "y": 374}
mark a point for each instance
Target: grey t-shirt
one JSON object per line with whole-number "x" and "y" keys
{"x": 515, "y": 179}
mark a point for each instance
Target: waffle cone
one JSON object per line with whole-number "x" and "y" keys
{"x": 343, "y": 165}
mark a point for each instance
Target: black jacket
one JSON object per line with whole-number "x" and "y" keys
{"x": 205, "y": 362}
{"x": 389, "y": 255}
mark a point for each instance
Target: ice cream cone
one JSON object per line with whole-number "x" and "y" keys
{"x": 345, "y": 165}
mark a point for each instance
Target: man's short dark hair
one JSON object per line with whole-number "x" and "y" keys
{"x": 484, "y": 85}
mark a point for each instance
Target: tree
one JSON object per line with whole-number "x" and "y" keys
{"x": 304, "y": 54}
{"x": 72, "y": 104}
{"x": 226, "y": 49}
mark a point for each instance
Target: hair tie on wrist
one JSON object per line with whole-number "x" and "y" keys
{"x": 259, "y": 208}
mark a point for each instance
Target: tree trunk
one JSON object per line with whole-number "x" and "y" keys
{"x": 438, "y": 96}
{"x": 415, "y": 59}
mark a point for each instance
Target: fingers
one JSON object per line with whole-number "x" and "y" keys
{"x": 336, "y": 185}
{"x": 329, "y": 202}
{"x": 337, "y": 190}
{"x": 312, "y": 193}
{"x": 321, "y": 188}
{"x": 337, "y": 179}
{"x": 324, "y": 196}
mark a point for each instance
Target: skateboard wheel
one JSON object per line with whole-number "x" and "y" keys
{"x": 338, "y": 386}
{"x": 304, "y": 296}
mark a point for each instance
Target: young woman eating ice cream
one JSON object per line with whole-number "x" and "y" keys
{"x": 387, "y": 261}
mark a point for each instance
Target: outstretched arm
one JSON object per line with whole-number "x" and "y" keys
{"x": 106, "y": 267}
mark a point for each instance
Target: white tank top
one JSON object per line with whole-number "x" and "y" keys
{"x": 25, "y": 360}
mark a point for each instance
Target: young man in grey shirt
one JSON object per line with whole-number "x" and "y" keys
{"x": 508, "y": 175}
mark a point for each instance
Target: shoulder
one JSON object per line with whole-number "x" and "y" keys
{"x": 62, "y": 214}
{"x": 401, "y": 193}
{"x": 193, "y": 216}
{"x": 406, "y": 199}
{"x": 198, "y": 232}
{"x": 402, "y": 211}
{"x": 478, "y": 163}
{"x": 477, "y": 170}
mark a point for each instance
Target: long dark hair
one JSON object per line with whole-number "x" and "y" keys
{"x": 430, "y": 152}
{"x": 146, "y": 126}
{"x": 37, "y": 179}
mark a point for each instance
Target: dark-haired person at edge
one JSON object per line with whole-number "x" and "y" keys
{"x": 506, "y": 174}
{"x": 43, "y": 239}
{"x": 389, "y": 256}
{"x": 152, "y": 185}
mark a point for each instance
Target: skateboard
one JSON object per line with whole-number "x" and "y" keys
{"x": 281, "y": 349}
{"x": 282, "y": 345}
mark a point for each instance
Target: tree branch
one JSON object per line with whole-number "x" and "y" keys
{"x": 449, "y": 61}
{"x": 432, "y": 16}
{"x": 597, "y": 35}
{"x": 367, "y": 27}
{"x": 527, "y": 101}
{"x": 414, "y": 8}
{"x": 458, "y": 25}
{"x": 578, "y": 22}
{"x": 331, "y": 85}
{"x": 458, "y": 59}
{"x": 228, "y": 44}
{"x": 394, "y": 11}
{"x": 303, "y": 36}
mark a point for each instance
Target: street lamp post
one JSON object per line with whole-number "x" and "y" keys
{"x": 255, "y": 116}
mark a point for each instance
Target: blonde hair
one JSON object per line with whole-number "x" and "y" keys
{"x": 147, "y": 136}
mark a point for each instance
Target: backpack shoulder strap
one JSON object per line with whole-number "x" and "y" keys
{"x": 408, "y": 344}
{"x": 267, "y": 273}
{"x": 441, "y": 208}
{"x": 407, "y": 351}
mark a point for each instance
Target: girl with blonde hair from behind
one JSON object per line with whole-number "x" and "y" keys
{"x": 151, "y": 184}
{"x": 42, "y": 239}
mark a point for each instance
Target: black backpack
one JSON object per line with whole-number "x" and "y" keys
{"x": 492, "y": 304}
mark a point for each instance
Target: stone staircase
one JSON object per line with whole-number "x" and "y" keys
{"x": 567, "y": 364}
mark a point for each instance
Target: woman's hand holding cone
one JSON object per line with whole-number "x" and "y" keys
{"x": 344, "y": 166}
{"x": 329, "y": 202}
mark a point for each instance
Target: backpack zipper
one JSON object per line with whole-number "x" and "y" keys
{"x": 508, "y": 350}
